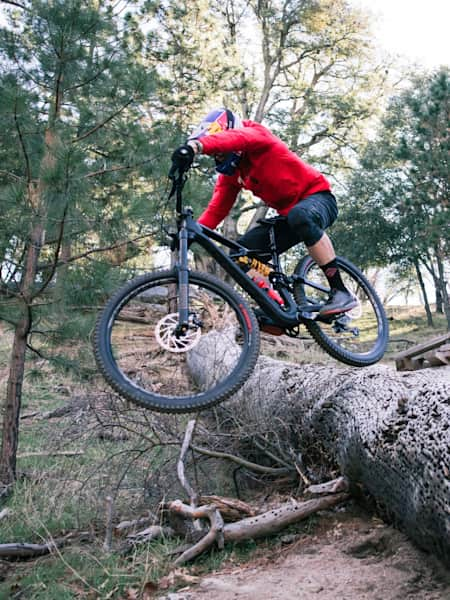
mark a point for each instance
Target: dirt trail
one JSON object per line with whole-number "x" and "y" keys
{"x": 352, "y": 557}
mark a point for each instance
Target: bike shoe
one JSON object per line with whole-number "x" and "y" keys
{"x": 338, "y": 302}
{"x": 266, "y": 324}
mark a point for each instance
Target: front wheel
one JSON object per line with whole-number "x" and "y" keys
{"x": 358, "y": 337}
{"x": 146, "y": 359}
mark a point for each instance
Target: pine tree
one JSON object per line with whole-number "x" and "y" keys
{"x": 76, "y": 147}
{"x": 400, "y": 193}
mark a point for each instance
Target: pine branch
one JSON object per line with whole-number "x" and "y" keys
{"x": 27, "y": 75}
{"x": 103, "y": 123}
{"x": 56, "y": 255}
{"x": 107, "y": 62}
{"x": 12, "y": 175}
{"x": 97, "y": 250}
{"x": 37, "y": 352}
{"x": 22, "y": 144}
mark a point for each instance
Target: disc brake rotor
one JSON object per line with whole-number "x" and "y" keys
{"x": 167, "y": 339}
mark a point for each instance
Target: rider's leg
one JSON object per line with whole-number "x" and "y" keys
{"x": 323, "y": 254}
{"x": 309, "y": 218}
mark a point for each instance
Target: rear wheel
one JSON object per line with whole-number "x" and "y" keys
{"x": 143, "y": 357}
{"x": 358, "y": 337}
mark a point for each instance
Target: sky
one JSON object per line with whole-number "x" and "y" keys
{"x": 417, "y": 29}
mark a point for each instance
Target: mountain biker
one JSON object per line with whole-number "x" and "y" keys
{"x": 249, "y": 156}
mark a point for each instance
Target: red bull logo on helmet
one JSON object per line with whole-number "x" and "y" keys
{"x": 216, "y": 121}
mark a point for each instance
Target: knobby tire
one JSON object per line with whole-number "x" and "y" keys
{"x": 132, "y": 363}
{"x": 323, "y": 334}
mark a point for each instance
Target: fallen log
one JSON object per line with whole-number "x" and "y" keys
{"x": 388, "y": 432}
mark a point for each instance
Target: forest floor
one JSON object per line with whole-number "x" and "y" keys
{"x": 349, "y": 556}
{"x": 70, "y": 459}
{"x": 345, "y": 555}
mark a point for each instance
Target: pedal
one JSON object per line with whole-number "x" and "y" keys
{"x": 340, "y": 325}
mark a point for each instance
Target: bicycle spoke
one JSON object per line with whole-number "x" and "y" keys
{"x": 354, "y": 336}
{"x": 153, "y": 355}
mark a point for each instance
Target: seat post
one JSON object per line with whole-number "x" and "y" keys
{"x": 273, "y": 247}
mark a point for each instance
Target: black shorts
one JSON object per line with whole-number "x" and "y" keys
{"x": 305, "y": 222}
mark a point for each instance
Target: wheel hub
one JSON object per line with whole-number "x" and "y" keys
{"x": 165, "y": 333}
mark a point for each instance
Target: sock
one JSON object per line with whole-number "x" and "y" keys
{"x": 333, "y": 275}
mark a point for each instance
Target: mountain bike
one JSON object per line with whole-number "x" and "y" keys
{"x": 180, "y": 341}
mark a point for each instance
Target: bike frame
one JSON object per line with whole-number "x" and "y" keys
{"x": 189, "y": 231}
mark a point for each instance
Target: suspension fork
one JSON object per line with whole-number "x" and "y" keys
{"x": 183, "y": 281}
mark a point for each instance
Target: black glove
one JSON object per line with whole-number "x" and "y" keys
{"x": 182, "y": 158}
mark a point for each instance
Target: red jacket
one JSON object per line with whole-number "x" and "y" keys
{"x": 268, "y": 168}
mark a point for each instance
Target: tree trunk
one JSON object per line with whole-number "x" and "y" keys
{"x": 386, "y": 431}
{"x": 10, "y": 436}
{"x": 424, "y": 294}
{"x": 12, "y": 405}
{"x": 439, "y": 305}
{"x": 428, "y": 262}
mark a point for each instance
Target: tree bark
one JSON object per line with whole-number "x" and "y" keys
{"x": 10, "y": 428}
{"x": 386, "y": 431}
{"x": 12, "y": 403}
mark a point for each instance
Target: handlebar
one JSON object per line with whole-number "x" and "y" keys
{"x": 178, "y": 176}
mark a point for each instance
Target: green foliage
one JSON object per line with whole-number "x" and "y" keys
{"x": 74, "y": 150}
{"x": 397, "y": 208}
{"x": 311, "y": 73}
{"x": 400, "y": 191}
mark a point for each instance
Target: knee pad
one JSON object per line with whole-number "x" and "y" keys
{"x": 302, "y": 222}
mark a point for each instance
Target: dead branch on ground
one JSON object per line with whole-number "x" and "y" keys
{"x": 265, "y": 524}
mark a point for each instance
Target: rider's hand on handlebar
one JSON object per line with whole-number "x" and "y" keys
{"x": 182, "y": 158}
